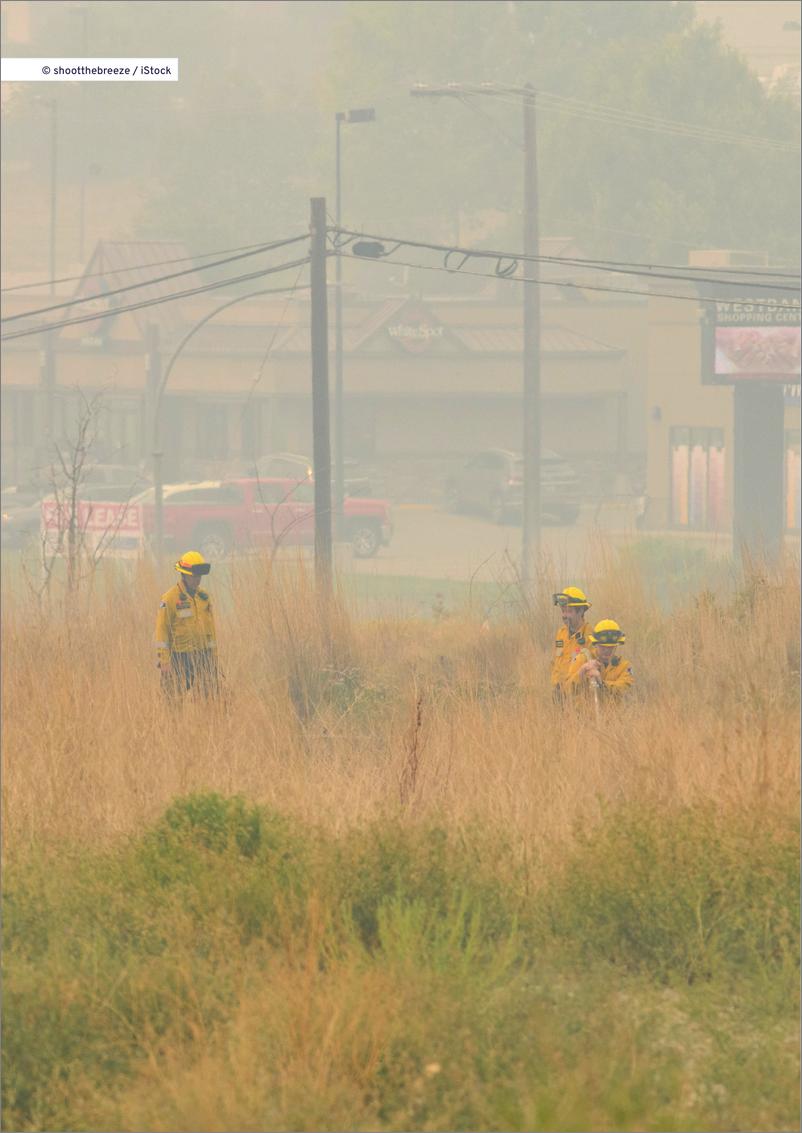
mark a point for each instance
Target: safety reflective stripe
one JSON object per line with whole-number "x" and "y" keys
{"x": 160, "y": 645}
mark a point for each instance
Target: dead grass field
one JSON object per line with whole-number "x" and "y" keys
{"x": 324, "y": 730}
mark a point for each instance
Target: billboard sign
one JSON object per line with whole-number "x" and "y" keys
{"x": 116, "y": 528}
{"x": 753, "y": 339}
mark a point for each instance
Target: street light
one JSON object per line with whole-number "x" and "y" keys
{"x": 157, "y": 383}
{"x": 53, "y": 106}
{"x": 530, "y": 539}
{"x": 80, "y": 8}
{"x": 352, "y": 117}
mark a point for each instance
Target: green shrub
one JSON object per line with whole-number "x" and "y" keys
{"x": 403, "y": 979}
{"x": 679, "y": 894}
{"x": 214, "y": 822}
{"x": 388, "y": 865}
{"x": 673, "y": 569}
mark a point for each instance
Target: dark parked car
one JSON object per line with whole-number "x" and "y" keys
{"x": 491, "y": 482}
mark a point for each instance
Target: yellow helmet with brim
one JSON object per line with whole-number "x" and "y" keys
{"x": 571, "y": 596}
{"x": 193, "y": 563}
{"x": 607, "y": 632}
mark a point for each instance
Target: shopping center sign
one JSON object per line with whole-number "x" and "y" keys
{"x": 752, "y": 338}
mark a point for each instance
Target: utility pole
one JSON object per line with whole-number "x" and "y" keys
{"x": 758, "y": 472}
{"x": 53, "y": 183}
{"x": 367, "y": 114}
{"x": 339, "y": 455}
{"x": 153, "y": 362}
{"x": 48, "y": 385}
{"x": 530, "y": 541}
{"x": 321, "y": 443}
{"x": 531, "y": 407}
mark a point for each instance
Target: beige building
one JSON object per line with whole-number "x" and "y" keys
{"x": 427, "y": 381}
{"x": 690, "y": 435}
{"x": 424, "y": 378}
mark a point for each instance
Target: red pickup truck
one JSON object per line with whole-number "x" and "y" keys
{"x": 218, "y": 516}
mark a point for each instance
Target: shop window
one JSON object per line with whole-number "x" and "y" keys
{"x": 359, "y": 430}
{"x": 793, "y": 480}
{"x": 212, "y": 432}
{"x": 118, "y": 434}
{"x": 251, "y": 416}
{"x": 697, "y": 478}
{"x": 25, "y": 414}
{"x": 17, "y": 418}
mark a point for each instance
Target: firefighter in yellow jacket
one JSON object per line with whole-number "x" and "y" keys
{"x": 571, "y": 636}
{"x": 185, "y": 638}
{"x": 602, "y": 667}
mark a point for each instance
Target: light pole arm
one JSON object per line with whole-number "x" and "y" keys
{"x": 158, "y": 483}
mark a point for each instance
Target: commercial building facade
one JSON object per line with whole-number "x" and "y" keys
{"x": 427, "y": 381}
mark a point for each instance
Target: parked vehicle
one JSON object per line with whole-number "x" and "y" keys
{"x": 20, "y": 524}
{"x": 22, "y": 504}
{"x": 218, "y": 516}
{"x": 492, "y": 482}
{"x": 291, "y": 465}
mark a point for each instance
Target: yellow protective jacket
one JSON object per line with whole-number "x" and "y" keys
{"x": 184, "y": 623}
{"x": 616, "y": 677}
{"x": 567, "y": 647}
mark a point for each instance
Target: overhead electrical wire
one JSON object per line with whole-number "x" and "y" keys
{"x": 668, "y": 271}
{"x": 297, "y": 286}
{"x": 47, "y": 328}
{"x": 133, "y": 267}
{"x": 507, "y": 264}
{"x": 104, "y": 295}
{"x": 654, "y": 119}
{"x": 619, "y": 116}
{"x": 547, "y": 282}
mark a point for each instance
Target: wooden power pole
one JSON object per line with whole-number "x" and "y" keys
{"x": 321, "y": 442}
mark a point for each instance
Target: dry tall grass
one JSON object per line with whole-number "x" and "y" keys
{"x": 431, "y": 717}
{"x": 555, "y": 920}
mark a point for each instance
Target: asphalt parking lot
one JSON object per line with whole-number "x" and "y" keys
{"x": 432, "y": 543}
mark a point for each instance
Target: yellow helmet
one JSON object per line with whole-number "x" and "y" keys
{"x": 193, "y": 563}
{"x": 571, "y": 596}
{"x": 607, "y": 632}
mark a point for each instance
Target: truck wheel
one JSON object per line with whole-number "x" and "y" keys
{"x": 214, "y": 543}
{"x": 365, "y": 540}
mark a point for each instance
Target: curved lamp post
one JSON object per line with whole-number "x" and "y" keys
{"x": 153, "y": 353}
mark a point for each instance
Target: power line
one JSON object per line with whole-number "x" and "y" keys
{"x": 512, "y": 95}
{"x": 613, "y": 266}
{"x": 649, "y": 121}
{"x": 134, "y": 267}
{"x": 548, "y": 282}
{"x": 260, "y": 372}
{"x": 619, "y": 116}
{"x": 50, "y": 327}
{"x": 104, "y": 295}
